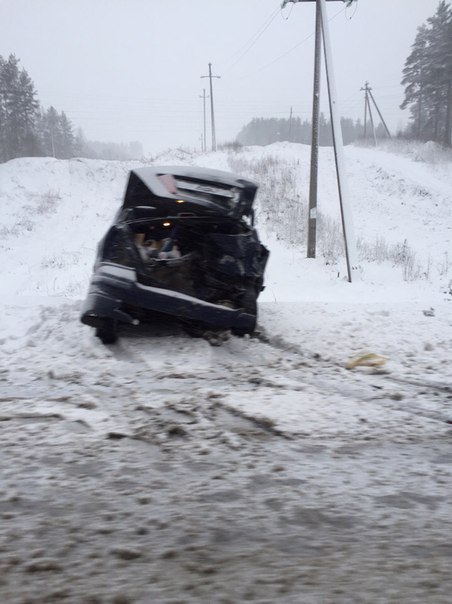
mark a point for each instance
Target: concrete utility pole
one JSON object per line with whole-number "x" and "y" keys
{"x": 204, "y": 97}
{"x": 379, "y": 113}
{"x": 212, "y": 118}
{"x": 290, "y": 126}
{"x": 347, "y": 222}
{"x": 366, "y": 103}
{"x": 312, "y": 216}
{"x": 346, "y": 215}
{"x": 372, "y": 125}
{"x": 367, "y": 109}
{"x": 368, "y": 94}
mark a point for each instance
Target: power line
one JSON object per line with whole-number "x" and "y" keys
{"x": 287, "y": 52}
{"x": 254, "y": 38}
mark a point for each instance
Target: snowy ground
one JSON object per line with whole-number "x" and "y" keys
{"x": 167, "y": 470}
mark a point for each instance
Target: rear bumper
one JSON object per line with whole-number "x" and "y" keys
{"x": 114, "y": 285}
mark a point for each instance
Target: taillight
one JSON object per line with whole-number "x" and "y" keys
{"x": 117, "y": 247}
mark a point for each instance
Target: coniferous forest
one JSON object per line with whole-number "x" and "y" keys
{"x": 29, "y": 130}
{"x": 427, "y": 77}
{"x": 264, "y": 131}
{"x": 26, "y": 128}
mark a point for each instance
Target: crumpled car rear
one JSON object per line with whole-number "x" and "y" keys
{"x": 182, "y": 244}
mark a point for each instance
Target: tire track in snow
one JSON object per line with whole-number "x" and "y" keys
{"x": 270, "y": 366}
{"x": 259, "y": 378}
{"x": 373, "y": 378}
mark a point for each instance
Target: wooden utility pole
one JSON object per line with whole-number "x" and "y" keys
{"x": 204, "y": 97}
{"x": 212, "y": 117}
{"x": 346, "y": 216}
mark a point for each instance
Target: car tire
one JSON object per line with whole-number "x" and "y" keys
{"x": 106, "y": 332}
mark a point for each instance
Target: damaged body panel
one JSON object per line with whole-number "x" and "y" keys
{"x": 183, "y": 244}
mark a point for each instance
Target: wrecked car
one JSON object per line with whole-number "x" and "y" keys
{"x": 183, "y": 244}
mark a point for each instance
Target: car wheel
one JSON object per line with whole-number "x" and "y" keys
{"x": 249, "y": 304}
{"x": 107, "y": 331}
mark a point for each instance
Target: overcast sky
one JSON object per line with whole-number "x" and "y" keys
{"x": 127, "y": 70}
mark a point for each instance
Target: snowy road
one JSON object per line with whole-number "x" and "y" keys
{"x": 168, "y": 470}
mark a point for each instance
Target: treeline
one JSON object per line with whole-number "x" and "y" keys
{"x": 264, "y": 131}
{"x": 29, "y": 130}
{"x": 427, "y": 78}
{"x": 107, "y": 150}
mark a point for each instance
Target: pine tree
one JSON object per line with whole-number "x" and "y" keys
{"x": 414, "y": 78}
{"x": 427, "y": 77}
{"x": 25, "y": 128}
{"x": 18, "y": 111}
{"x": 445, "y": 52}
{"x": 66, "y": 137}
{"x": 56, "y": 134}
{"x": 48, "y": 123}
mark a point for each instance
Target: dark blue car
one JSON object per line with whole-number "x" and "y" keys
{"x": 183, "y": 244}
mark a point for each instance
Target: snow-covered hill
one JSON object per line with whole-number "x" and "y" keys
{"x": 261, "y": 470}
{"x": 54, "y": 212}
